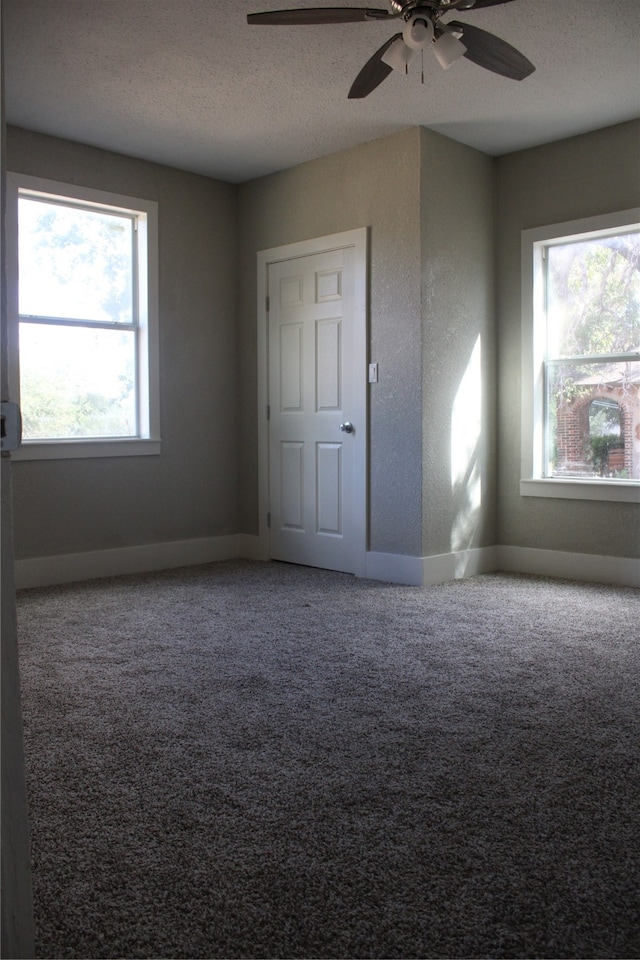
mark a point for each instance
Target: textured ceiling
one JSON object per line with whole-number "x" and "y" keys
{"x": 189, "y": 83}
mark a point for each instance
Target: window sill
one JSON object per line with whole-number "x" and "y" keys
{"x": 622, "y": 491}
{"x": 85, "y": 449}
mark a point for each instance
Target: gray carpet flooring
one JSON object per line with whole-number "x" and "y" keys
{"x": 261, "y": 760}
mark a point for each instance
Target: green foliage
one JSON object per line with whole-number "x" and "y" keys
{"x": 594, "y": 295}
{"x": 598, "y": 451}
{"x": 50, "y": 410}
{"x": 604, "y": 419}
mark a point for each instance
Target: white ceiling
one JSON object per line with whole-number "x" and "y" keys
{"x": 190, "y": 84}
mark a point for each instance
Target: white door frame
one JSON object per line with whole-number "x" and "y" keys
{"x": 358, "y": 240}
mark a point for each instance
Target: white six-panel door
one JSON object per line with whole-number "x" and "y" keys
{"x": 316, "y": 403}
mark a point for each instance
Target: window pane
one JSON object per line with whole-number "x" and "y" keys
{"x": 593, "y": 296}
{"x": 74, "y": 263}
{"x": 593, "y": 420}
{"x": 77, "y": 382}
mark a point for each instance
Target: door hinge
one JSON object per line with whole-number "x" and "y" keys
{"x": 266, "y": 303}
{"x": 268, "y": 412}
{"x": 269, "y": 521}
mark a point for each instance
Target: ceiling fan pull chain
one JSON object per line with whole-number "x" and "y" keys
{"x": 422, "y": 66}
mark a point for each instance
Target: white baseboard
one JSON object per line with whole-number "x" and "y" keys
{"x": 65, "y": 568}
{"x": 424, "y": 571}
{"x": 459, "y": 565}
{"x": 622, "y": 571}
{"x": 392, "y": 568}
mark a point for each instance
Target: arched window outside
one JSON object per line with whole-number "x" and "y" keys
{"x": 606, "y": 437}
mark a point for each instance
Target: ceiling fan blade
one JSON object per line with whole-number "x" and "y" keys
{"x": 492, "y": 53}
{"x": 320, "y": 15}
{"x": 474, "y": 4}
{"x": 373, "y": 72}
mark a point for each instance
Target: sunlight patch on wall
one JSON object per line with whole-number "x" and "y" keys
{"x": 466, "y": 429}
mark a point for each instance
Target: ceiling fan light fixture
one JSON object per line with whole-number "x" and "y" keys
{"x": 398, "y": 56}
{"x": 448, "y": 48}
{"x": 418, "y": 32}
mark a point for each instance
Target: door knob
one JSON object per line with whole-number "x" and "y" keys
{"x": 347, "y": 427}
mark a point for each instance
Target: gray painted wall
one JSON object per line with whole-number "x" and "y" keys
{"x": 459, "y": 354}
{"x": 580, "y": 177}
{"x": 190, "y": 490}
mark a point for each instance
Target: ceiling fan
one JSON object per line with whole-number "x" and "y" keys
{"x": 423, "y": 27}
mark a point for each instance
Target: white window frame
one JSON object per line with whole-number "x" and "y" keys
{"x": 533, "y": 483}
{"x": 147, "y": 442}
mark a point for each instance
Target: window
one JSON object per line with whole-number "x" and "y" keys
{"x": 84, "y": 348}
{"x": 581, "y": 359}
